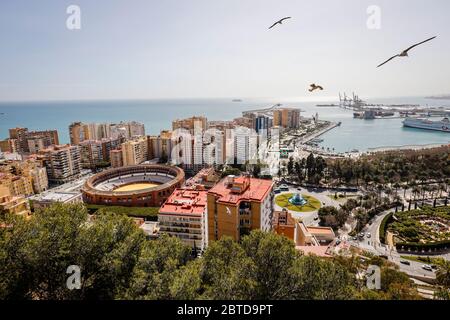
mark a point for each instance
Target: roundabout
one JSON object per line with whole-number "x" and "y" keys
{"x": 297, "y": 202}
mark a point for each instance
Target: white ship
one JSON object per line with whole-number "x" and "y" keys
{"x": 442, "y": 125}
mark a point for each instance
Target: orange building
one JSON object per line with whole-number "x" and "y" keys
{"x": 238, "y": 205}
{"x": 309, "y": 240}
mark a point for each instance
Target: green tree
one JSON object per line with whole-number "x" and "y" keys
{"x": 35, "y": 254}
{"x": 227, "y": 271}
{"x": 157, "y": 274}
{"x": 273, "y": 257}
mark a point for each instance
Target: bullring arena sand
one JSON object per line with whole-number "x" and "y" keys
{"x": 136, "y": 187}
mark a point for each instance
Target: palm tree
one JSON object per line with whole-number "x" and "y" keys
{"x": 405, "y": 188}
{"x": 416, "y": 192}
{"x": 443, "y": 274}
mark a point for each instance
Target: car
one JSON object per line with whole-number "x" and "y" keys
{"x": 434, "y": 267}
{"x": 405, "y": 262}
{"x": 427, "y": 267}
{"x": 316, "y": 218}
{"x": 277, "y": 191}
{"x": 368, "y": 235}
{"x": 355, "y": 238}
{"x": 338, "y": 242}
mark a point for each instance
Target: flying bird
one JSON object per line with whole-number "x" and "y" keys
{"x": 279, "y": 22}
{"x": 405, "y": 52}
{"x": 315, "y": 87}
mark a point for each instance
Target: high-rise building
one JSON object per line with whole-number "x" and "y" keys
{"x": 160, "y": 146}
{"x": 286, "y": 118}
{"x": 135, "y": 151}
{"x": 238, "y": 205}
{"x": 116, "y": 158}
{"x": 63, "y": 163}
{"x": 76, "y": 133}
{"x": 80, "y": 132}
{"x": 96, "y": 153}
{"x": 184, "y": 216}
{"x": 245, "y": 145}
{"x": 37, "y": 140}
{"x": 191, "y": 123}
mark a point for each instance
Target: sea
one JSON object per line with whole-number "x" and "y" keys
{"x": 157, "y": 115}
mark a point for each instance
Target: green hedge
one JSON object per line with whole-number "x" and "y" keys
{"x": 414, "y": 246}
{"x": 383, "y": 226}
{"x": 150, "y": 213}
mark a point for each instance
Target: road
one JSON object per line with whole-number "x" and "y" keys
{"x": 374, "y": 245}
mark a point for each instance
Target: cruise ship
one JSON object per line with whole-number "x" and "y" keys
{"x": 442, "y": 125}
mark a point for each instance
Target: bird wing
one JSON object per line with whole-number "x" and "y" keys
{"x": 320, "y": 87}
{"x": 285, "y": 19}
{"x": 274, "y": 24}
{"x": 388, "y": 60}
{"x": 418, "y": 44}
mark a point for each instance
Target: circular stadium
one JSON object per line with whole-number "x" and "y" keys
{"x": 133, "y": 186}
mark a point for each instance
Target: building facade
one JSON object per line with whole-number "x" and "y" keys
{"x": 33, "y": 141}
{"x": 63, "y": 163}
{"x": 184, "y": 215}
{"x": 238, "y": 205}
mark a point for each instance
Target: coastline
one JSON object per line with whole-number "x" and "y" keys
{"x": 408, "y": 147}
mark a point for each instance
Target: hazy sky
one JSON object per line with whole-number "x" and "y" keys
{"x": 220, "y": 48}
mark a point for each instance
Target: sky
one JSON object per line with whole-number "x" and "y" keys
{"x": 148, "y": 49}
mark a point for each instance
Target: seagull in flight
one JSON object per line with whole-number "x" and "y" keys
{"x": 315, "y": 87}
{"x": 279, "y": 22}
{"x": 405, "y": 52}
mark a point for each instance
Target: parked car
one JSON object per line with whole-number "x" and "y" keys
{"x": 405, "y": 262}
{"x": 427, "y": 267}
{"x": 368, "y": 235}
{"x": 277, "y": 191}
{"x": 338, "y": 242}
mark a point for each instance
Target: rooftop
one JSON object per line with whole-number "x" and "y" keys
{"x": 185, "y": 201}
{"x": 233, "y": 190}
{"x": 320, "y": 251}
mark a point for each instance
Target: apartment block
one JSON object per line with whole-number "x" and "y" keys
{"x": 33, "y": 141}
{"x": 63, "y": 163}
{"x": 184, "y": 215}
{"x": 135, "y": 151}
{"x": 96, "y": 153}
{"x": 10, "y": 204}
{"x": 237, "y": 205}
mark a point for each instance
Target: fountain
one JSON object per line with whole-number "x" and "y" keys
{"x": 297, "y": 200}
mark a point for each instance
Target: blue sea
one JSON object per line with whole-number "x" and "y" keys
{"x": 158, "y": 115}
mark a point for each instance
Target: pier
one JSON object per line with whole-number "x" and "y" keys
{"x": 320, "y": 132}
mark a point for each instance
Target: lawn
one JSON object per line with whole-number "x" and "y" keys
{"x": 312, "y": 203}
{"x": 150, "y": 213}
